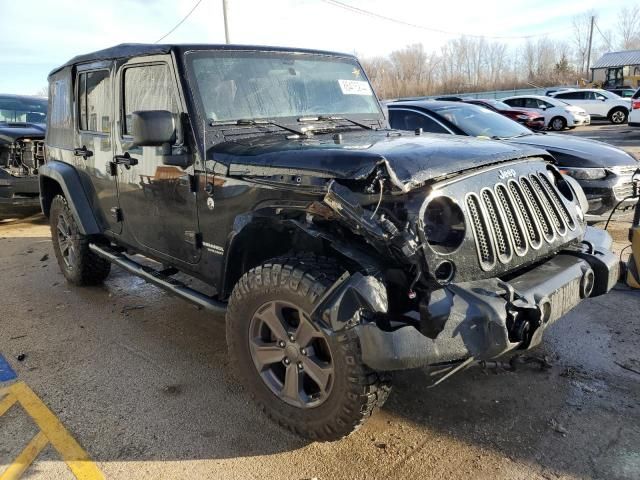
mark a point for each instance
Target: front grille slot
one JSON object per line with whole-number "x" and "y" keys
{"x": 535, "y": 239}
{"x": 500, "y": 234}
{"x": 548, "y": 205}
{"x": 541, "y": 215}
{"x": 515, "y": 226}
{"x": 481, "y": 233}
{"x": 557, "y": 201}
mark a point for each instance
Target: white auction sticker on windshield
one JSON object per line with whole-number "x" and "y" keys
{"x": 355, "y": 87}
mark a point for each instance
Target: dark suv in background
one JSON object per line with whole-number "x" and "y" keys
{"x": 22, "y": 130}
{"x": 339, "y": 249}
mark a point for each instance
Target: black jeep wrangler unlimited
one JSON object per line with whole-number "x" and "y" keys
{"x": 339, "y": 249}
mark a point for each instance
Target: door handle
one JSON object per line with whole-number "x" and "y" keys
{"x": 82, "y": 152}
{"x": 127, "y": 160}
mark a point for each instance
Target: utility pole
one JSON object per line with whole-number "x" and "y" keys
{"x": 593, "y": 19}
{"x": 226, "y": 23}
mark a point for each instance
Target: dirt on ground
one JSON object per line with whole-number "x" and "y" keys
{"x": 141, "y": 380}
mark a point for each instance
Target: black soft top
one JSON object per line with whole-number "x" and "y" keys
{"x": 127, "y": 50}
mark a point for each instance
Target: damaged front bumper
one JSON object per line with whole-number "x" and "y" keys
{"x": 482, "y": 319}
{"x": 18, "y": 195}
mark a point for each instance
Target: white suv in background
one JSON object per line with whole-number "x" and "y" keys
{"x": 634, "y": 115}
{"x": 598, "y": 103}
{"x": 557, "y": 114}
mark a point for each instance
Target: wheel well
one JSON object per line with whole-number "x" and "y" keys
{"x": 260, "y": 241}
{"x": 615, "y": 109}
{"x": 558, "y": 117}
{"x": 49, "y": 188}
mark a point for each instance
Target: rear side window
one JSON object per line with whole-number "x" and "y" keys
{"x": 94, "y": 101}
{"x": 148, "y": 87}
{"x": 515, "y": 102}
{"x": 572, "y": 95}
{"x": 406, "y": 120}
{"x": 531, "y": 103}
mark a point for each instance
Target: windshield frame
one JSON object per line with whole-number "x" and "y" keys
{"x": 197, "y": 101}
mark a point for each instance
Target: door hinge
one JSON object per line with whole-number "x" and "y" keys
{"x": 193, "y": 238}
{"x": 113, "y": 169}
{"x": 116, "y": 213}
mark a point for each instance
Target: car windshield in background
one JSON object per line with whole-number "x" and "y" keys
{"x": 480, "y": 122}
{"x": 266, "y": 85}
{"x": 31, "y": 110}
{"x": 499, "y": 105}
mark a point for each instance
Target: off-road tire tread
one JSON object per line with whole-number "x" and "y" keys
{"x": 311, "y": 276}
{"x": 93, "y": 270}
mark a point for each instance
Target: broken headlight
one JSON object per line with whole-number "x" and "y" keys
{"x": 444, "y": 226}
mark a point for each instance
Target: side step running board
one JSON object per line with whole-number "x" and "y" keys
{"x": 159, "y": 280}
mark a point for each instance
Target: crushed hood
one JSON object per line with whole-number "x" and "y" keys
{"x": 11, "y": 131}
{"x": 411, "y": 160}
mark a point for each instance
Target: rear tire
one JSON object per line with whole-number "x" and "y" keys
{"x": 281, "y": 294}
{"x": 557, "y": 124}
{"x": 618, "y": 116}
{"x": 79, "y": 265}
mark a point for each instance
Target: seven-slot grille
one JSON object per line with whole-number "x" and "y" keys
{"x": 510, "y": 218}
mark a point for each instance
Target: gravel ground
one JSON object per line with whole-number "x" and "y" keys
{"x": 141, "y": 380}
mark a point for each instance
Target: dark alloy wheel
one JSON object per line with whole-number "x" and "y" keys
{"x": 79, "y": 265}
{"x": 291, "y": 355}
{"x": 304, "y": 376}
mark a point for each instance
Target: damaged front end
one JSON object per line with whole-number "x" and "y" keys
{"x": 467, "y": 269}
{"x": 20, "y": 158}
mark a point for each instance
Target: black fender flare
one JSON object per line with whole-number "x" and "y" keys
{"x": 67, "y": 178}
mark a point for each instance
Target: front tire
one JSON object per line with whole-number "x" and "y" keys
{"x": 79, "y": 265}
{"x": 310, "y": 382}
{"x": 557, "y": 124}
{"x": 618, "y": 116}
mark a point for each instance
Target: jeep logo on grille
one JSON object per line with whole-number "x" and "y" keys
{"x": 503, "y": 174}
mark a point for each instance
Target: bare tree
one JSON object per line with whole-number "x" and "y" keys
{"x": 628, "y": 27}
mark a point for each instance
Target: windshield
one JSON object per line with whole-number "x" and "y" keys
{"x": 16, "y": 109}
{"x": 234, "y": 85}
{"x": 498, "y": 104}
{"x": 480, "y": 122}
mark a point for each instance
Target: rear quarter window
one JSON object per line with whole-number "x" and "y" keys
{"x": 60, "y": 111}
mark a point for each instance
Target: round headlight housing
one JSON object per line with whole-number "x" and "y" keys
{"x": 444, "y": 225}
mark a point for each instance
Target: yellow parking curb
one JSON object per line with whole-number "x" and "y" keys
{"x": 51, "y": 431}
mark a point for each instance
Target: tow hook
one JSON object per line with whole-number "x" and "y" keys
{"x": 523, "y": 318}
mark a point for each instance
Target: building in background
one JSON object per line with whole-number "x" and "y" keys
{"x": 617, "y": 69}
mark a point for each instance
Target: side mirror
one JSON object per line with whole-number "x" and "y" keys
{"x": 153, "y": 128}
{"x": 543, "y": 107}
{"x": 157, "y": 128}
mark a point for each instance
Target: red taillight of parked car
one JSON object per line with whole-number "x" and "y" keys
{"x": 635, "y": 105}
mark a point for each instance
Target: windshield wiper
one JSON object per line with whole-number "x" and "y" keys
{"x": 331, "y": 118}
{"x": 260, "y": 121}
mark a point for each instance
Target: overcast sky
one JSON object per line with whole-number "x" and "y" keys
{"x": 37, "y": 35}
